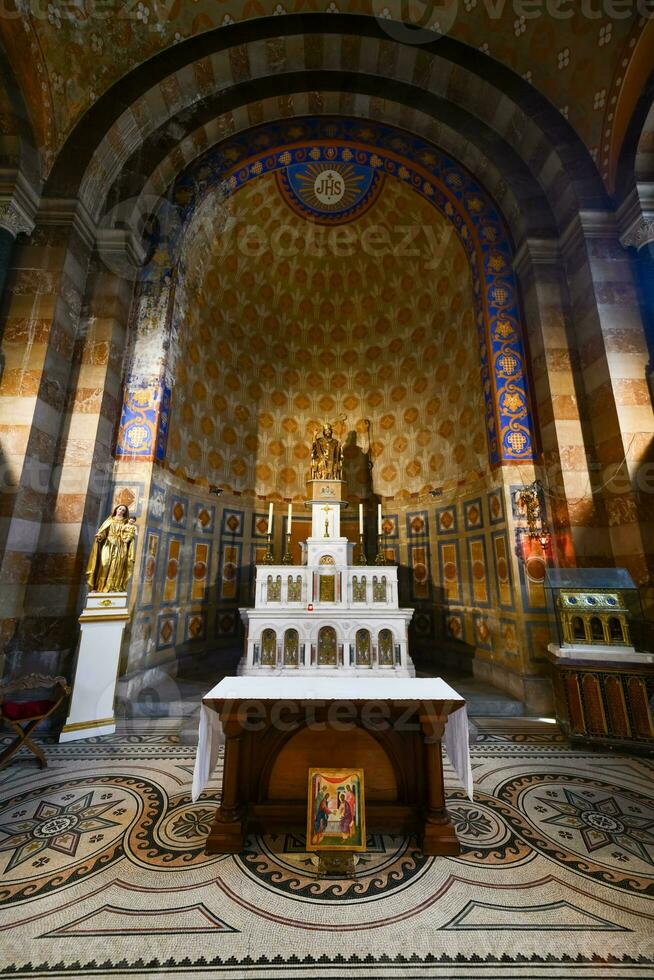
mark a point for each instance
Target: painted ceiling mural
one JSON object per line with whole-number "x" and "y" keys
{"x": 290, "y": 322}
{"x": 67, "y": 54}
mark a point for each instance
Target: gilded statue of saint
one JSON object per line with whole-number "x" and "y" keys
{"x": 112, "y": 556}
{"x": 326, "y": 456}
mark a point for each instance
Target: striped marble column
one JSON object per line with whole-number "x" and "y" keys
{"x": 559, "y": 404}
{"x": 84, "y": 461}
{"x": 45, "y": 290}
{"x": 613, "y": 359}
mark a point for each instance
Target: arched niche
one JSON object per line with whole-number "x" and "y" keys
{"x": 385, "y": 648}
{"x": 363, "y": 648}
{"x": 383, "y": 154}
{"x": 268, "y": 647}
{"x": 291, "y": 648}
{"x": 309, "y": 748}
{"x": 327, "y": 647}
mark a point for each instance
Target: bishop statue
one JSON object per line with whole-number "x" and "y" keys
{"x": 326, "y": 456}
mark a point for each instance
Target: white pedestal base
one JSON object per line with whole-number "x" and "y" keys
{"x": 92, "y": 702}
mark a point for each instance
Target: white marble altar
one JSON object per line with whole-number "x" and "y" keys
{"x": 296, "y": 690}
{"x": 327, "y": 614}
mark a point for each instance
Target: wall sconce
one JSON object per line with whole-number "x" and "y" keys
{"x": 529, "y": 499}
{"x": 216, "y": 490}
{"x": 436, "y": 493}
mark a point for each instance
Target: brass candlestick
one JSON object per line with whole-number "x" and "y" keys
{"x": 288, "y": 558}
{"x": 380, "y": 558}
{"x": 362, "y": 560}
{"x": 269, "y": 558}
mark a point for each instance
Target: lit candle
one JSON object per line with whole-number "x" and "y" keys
{"x": 360, "y": 518}
{"x": 270, "y": 515}
{"x": 379, "y": 520}
{"x": 290, "y": 518}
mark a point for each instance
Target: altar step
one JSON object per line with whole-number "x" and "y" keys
{"x": 482, "y": 699}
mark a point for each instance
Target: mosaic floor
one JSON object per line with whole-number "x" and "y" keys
{"x": 104, "y": 875}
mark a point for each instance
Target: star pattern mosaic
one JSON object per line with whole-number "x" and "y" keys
{"x": 56, "y": 827}
{"x": 604, "y": 821}
{"x": 555, "y": 873}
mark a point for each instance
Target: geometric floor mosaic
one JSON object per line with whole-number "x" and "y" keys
{"x": 103, "y": 874}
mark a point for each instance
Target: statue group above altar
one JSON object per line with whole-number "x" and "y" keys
{"x": 326, "y": 456}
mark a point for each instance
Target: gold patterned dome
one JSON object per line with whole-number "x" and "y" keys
{"x": 274, "y": 344}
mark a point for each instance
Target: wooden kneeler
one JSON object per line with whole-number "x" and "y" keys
{"x": 23, "y": 714}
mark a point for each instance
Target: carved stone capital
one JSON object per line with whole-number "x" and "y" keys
{"x": 14, "y": 219}
{"x": 640, "y": 233}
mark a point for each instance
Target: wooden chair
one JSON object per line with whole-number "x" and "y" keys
{"x": 23, "y": 713}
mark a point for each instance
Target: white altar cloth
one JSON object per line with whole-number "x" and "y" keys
{"x": 299, "y": 689}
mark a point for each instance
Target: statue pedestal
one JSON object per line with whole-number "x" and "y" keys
{"x": 326, "y": 502}
{"x": 92, "y": 701}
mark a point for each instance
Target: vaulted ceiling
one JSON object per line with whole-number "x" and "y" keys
{"x": 66, "y": 56}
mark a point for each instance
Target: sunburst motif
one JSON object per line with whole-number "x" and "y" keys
{"x": 317, "y": 175}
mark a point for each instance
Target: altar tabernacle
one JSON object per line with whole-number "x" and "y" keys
{"x": 276, "y": 728}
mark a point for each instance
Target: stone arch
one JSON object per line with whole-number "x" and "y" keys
{"x": 616, "y": 634}
{"x": 327, "y": 647}
{"x": 268, "y": 647}
{"x": 596, "y": 630}
{"x": 291, "y": 648}
{"x": 385, "y": 648}
{"x": 363, "y": 648}
{"x": 457, "y": 58}
{"x": 633, "y": 103}
{"x": 451, "y": 189}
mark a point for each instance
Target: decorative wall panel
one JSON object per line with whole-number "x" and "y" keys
{"x": 172, "y": 568}
{"x": 200, "y": 569}
{"x": 149, "y": 573}
{"x": 420, "y": 569}
{"x": 230, "y": 566}
{"x": 473, "y": 515}
{"x": 496, "y": 506}
{"x": 477, "y": 570}
{"x": 417, "y": 524}
{"x": 232, "y": 523}
{"x": 502, "y": 561}
{"x": 448, "y": 561}
{"x": 446, "y": 519}
{"x": 204, "y": 518}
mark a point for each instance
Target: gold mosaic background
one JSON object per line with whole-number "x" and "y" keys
{"x": 274, "y": 343}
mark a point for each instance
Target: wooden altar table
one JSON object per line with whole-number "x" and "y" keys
{"x": 275, "y": 728}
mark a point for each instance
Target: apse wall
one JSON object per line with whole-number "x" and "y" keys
{"x": 284, "y": 324}
{"x": 369, "y": 325}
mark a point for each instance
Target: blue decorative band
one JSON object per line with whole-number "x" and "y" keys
{"x": 310, "y": 156}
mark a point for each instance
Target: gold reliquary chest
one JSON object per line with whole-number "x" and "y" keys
{"x": 594, "y": 618}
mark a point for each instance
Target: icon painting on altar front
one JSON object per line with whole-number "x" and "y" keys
{"x": 336, "y": 817}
